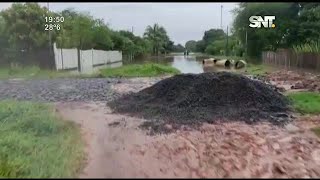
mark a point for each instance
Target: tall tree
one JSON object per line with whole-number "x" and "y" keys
{"x": 306, "y": 26}
{"x": 264, "y": 39}
{"x": 178, "y": 48}
{"x": 25, "y": 26}
{"x": 157, "y": 35}
{"x": 200, "y": 46}
{"x": 191, "y": 45}
{"x": 22, "y": 29}
{"x": 213, "y": 35}
{"x": 102, "y": 35}
{"x": 25, "y": 34}
{"x": 169, "y": 46}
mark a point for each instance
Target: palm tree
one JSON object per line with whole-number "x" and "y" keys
{"x": 157, "y": 35}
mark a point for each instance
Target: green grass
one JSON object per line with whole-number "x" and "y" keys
{"x": 258, "y": 69}
{"x": 139, "y": 70}
{"x": 306, "y": 102}
{"x": 35, "y": 143}
{"x": 34, "y": 72}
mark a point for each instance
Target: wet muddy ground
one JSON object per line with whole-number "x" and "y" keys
{"x": 116, "y": 147}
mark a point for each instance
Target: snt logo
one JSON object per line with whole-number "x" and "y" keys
{"x": 267, "y": 21}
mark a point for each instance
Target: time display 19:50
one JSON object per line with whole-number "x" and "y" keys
{"x": 54, "y": 19}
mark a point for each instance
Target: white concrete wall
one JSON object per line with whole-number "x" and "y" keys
{"x": 86, "y": 60}
{"x": 100, "y": 57}
{"x": 115, "y": 56}
{"x": 68, "y": 58}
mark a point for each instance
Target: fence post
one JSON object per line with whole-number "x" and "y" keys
{"x": 79, "y": 63}
{"x": 286, "y": 59}
{"x": 92, "y": 61}
{"x": 318, "y": 61}
{"x": 107, "y": 58}
{"x": 290, "y": 58}
{"x": 55, "y": 56}
{"x": 61, "y": 59}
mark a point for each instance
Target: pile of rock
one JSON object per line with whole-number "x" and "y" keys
{"x": 191, "y": 99}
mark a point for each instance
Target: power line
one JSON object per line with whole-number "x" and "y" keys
{"x": 221, "y": 17}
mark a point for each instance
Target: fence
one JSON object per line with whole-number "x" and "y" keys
{"x": 84, "y": 60}
{"x": 289, "y": 59}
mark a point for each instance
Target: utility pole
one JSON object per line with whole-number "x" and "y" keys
{"x": 49, "y": 35}
{"x": 131, "y": 54}
{"x": 227, "y": 53}
{"x": 221, "y": 17}
{"x": 246, "y": 43}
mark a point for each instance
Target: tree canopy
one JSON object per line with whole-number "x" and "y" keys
{"x": 158, "y": 37}
{"x": 22, "y": 28}
{"x": 191, "y": 45}
{"x": 296, "y": 24}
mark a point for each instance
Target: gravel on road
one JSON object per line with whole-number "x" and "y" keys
{"x": 66, "y": 89}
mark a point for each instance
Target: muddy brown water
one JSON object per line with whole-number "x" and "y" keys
{"x": 185, "y": 64}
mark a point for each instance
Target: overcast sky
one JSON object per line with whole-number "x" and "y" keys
{"x": 183, "y": 21}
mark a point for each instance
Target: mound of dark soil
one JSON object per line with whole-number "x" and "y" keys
{"x": 190, "y": 99}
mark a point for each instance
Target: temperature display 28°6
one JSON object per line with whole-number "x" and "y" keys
{"x": 51, "y": 27}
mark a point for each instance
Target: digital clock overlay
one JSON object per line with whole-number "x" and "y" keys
{"x": 53, "y": 23}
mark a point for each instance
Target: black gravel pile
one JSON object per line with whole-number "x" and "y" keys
{"x": 190, "y": 99}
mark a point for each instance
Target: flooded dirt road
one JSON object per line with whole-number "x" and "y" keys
{"x": 118, "y": 148}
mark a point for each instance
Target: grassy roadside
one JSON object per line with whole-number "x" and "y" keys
{"x": 259, "y": 69}
{"x": 306, "y": 102}
{"x": 139, "y": 70}
{"x": 35, "y": 72}
{"x": 35, "y": 143}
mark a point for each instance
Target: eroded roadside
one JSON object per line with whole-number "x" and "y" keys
{"x": 118, "y": 148}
